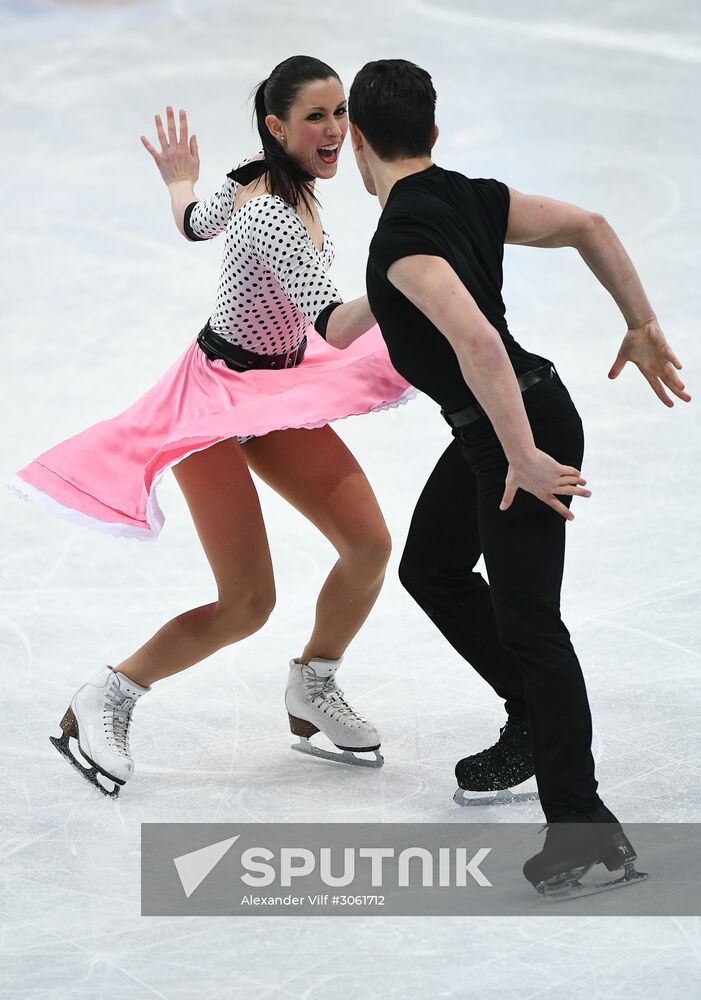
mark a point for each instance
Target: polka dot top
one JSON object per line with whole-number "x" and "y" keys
{"x": 273, "y": 281}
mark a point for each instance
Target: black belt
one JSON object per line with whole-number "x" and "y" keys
{"x": 238, "y": 358}
{"x": 461, "y": 418}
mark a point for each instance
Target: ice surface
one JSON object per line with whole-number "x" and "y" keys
{"x": 595, "y": 103}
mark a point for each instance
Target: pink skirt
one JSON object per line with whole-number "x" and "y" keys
{"x": 107, "y": 476}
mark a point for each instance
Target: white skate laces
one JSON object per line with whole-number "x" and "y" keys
{"x": 325, "y": 695}
{"x": 116, "y": 717}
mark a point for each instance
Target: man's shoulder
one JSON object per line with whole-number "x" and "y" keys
{"x": 413, "y": 201}
{"x": 441, "y": 181}
{"x": 443, "y": 195}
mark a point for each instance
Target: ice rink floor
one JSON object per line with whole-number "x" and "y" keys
{"x": 595, "y": 103}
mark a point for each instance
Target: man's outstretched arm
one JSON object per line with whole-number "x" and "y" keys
{"x": 432, "y": 285}
{"x": 543, "y": 222}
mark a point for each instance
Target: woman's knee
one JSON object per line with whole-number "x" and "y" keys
{"x": 245, "y": 612}
{"x": 371, "y": 547}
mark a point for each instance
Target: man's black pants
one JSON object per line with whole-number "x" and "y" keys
{"x": 510, "y": 630}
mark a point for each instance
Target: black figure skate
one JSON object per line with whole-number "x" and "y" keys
{"x": 498, "y": 769}
{"x": 573, "y": 845}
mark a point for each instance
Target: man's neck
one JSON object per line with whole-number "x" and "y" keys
{"x": 386, "y": 173}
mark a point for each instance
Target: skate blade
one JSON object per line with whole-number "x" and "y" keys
{"x": 89, "y": 773}
{"x": 569, "y": 887}
{"x": 504, "y": 797}
{"x": 342, "y": 757}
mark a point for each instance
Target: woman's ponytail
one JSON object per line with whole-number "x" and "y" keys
{"x": 261, "y": 114}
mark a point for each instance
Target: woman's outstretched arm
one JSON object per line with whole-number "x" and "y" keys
{"x": 178, "y": 162}
{"x": 544, "y": 222}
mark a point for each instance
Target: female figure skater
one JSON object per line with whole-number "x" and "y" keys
{"x": 244, "y": 396}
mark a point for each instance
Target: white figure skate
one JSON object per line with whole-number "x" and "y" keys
{"x": 315, "y": 704}
{"x": 98, "y": 717}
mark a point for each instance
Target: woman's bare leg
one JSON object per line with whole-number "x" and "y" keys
{"x": 225, "y": 508}
{"x": 317, "y": 474}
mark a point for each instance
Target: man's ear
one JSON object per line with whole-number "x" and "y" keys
{"x": 356, "y": 137}
{"x": 434, "y": 135}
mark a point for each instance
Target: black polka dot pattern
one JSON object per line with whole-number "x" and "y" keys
{"x": 273, "y": 281}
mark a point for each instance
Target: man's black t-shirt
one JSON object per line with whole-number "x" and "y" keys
{"x": 443, "y": 214}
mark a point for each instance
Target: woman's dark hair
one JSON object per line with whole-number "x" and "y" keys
{"x": 275, "y": 96}
{"x": 393, "y": 103}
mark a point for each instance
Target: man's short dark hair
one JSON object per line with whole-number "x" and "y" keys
{"x": 393, "y": 103}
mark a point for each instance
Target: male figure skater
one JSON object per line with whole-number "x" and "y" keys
{"x": 504, "y": 485}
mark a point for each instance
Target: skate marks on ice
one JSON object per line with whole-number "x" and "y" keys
{"x": 648, "y": 741}
{"x": 663, "y": 45}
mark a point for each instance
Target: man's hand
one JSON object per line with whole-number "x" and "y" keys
{"x": 178, "y": 159}
{"x": 542, "y": 476}
{"x": 646, "y": 346}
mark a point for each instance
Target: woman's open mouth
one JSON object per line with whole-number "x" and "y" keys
{"x": 329, "y": 154}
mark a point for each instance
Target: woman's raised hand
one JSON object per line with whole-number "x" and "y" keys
{"x": 179, "y": 159}
{"x": 646, "y": 347}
